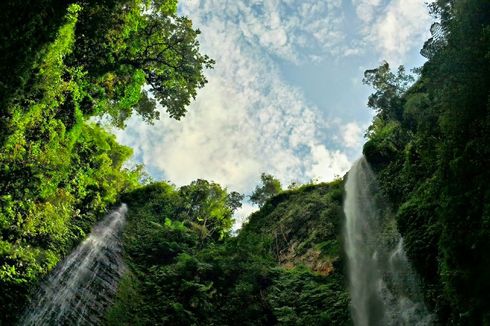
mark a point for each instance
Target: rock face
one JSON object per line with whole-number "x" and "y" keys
{"x": 80, "y": 289}
{"x": 305, "y": 225}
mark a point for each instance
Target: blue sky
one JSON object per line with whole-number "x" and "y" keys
{"x": 286, "y": 95}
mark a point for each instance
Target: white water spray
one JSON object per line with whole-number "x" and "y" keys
{"x": 384, "y": 288}
{"x": 80, "y": 288}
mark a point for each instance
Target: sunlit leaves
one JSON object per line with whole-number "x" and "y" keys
{"x": 270, "y": 186}
{"x": 147, "y": 40}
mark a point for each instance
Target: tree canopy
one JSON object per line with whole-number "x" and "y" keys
{"x": 429, "y": 146}
{"x": 130, "y": 44}
{"x": 62, "y": 64}
{"x": 270, "y": 187}
{"x": 175, "y": 278}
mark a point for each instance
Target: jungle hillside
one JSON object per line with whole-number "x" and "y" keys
{"x": 73, "y": 72}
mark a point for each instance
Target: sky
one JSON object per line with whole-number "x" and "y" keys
{"x": 285, "y": 96}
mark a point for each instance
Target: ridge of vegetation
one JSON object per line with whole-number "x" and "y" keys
{"x": 62, "y": 64}
{"x": 284, "y": 267}
{"x": 429, "y": 144}
{"x": 66, "y": 64}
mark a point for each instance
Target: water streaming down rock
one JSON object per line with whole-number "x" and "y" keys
{"x": 81, "y": 287}
{"x": 384, "y": 288}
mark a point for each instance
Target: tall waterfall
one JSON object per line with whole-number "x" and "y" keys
{"x": 384, "y": 288}
{"x": 80, "y": 288}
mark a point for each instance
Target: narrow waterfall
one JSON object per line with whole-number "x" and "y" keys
{"x": 81, "y": 287}
{"x": 384, "y": 288}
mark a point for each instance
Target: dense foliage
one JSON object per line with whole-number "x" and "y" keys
{"x": 270, "y": 186}
{"x": 61, "y": 64}
{"x": 429, "y": 144}
{"x": 66, "y": 64}
{"x": 181, "y": 275}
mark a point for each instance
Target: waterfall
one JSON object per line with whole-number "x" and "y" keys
{"x": 384, "y": 288}
{"x": 79, "y": 289}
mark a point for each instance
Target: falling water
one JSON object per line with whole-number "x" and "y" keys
{"x": 81, "y": 287}
{"x": 384, "y": 288}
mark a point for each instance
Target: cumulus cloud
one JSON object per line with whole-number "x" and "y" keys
{"x": 327, "y": 165}
{"x": 293, "y": 30}
{"x": 352, "y": 135}
{"x": 246, "y": 120}
{"x": 394, "y": 28}
{"x": 233, "y": 132}
{"x": 366, "y": 9}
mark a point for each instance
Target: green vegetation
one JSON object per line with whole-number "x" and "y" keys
{"x": 63, "y": 63}
{"x": 429, "y": 146}
{"x": 185, "y": 269}
{"x": 59, "y": 173}
{"x": 270, "y": 187}
{"x": 66, "y": 64}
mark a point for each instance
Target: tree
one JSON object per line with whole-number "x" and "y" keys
{"x": 62, "y": 63}
{"x": 209, "y": 207}
{"x": 270, "y": 187}
{"x": 127, "y": 45}
{"x": 389, "y": 88}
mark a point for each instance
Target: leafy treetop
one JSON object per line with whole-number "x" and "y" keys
{"x": 270, "y": 187}
{"x": 130, "y": 44}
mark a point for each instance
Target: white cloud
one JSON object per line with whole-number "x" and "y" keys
{"x": 293, "y": 30}
{"x": 246, "y": 120}
{"x": 352, "y": 135}
{"x": 366, "y": 9}
{"x": 397, "y": 28}
{"x": 234, "y": 132}
{"x": 327, "y": 165}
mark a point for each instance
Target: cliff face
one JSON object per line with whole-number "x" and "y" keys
{"x": 429, "y": 147}
{"x": 303, "y": 232}
{"x": 304, "y": 226}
